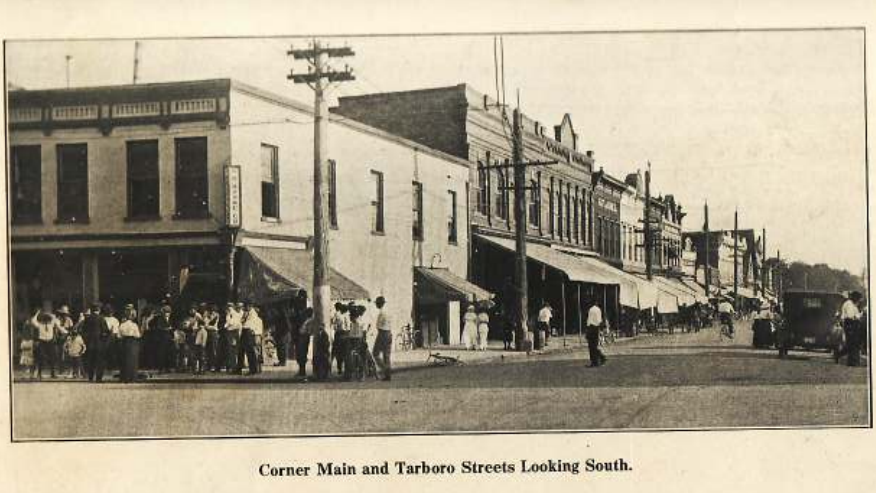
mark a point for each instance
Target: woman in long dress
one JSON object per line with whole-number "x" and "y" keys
{"x": 483, "y": 329}
{"x": 470, "y": 328}
{"x": 130, "y": 334}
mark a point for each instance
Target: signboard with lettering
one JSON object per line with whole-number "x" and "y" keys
{"x": 232, "y": 196}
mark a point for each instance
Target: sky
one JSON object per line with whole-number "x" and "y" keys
{"x": 769, "y": 123}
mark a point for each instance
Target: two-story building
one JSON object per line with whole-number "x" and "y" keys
{"x": 204, "y": 190}
{"x": 574, "y": 228}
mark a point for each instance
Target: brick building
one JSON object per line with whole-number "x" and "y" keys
{"x": 204, "y": 190}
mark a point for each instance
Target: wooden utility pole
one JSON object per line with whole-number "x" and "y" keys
{"x": 136, "y": 61}
{"x": 708, "y": 261}
{"x": 736, "y": 258}
{"x": 521, "y": 283}
{"x": 763, "y": 270}
{"x": 318, "y": 77}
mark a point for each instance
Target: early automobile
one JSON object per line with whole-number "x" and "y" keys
{"x": 811, "y": 318}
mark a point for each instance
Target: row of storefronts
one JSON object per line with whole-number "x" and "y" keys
{"x": 202, "y": 191}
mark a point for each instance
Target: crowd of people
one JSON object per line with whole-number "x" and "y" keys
{"x": 198, "y": 338}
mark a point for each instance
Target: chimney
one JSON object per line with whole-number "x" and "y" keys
{"x": 590, "y": 154}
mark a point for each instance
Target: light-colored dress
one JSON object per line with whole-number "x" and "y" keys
{"x": 483, "y": 330}
{"x": 26, "y": 355}
{"x": 470, "y": 330}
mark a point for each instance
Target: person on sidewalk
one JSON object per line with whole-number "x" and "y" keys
{"x": 199, "y": 352}
{"x": 211, "y": 322}
{"x": 595, "y": 323}
{"x": 341, "y": 327}
{"x": 250, "y": 336}
{"x": 232, "y": 338}
{"x": 305, "y": 331}
{"x": 75, "y": 349}
{"x": 163, "y": 338}
{"x": 850, "y": 316}
{"x": 383, "y": 343}
{"x": 470, "y": 328}
{"x": 483, "y": 329}
{"x": 129, "y": 334}
{"x": 544, "y": 324}
{"x": 47, "y": 329}
{"x": 97, "y": 335}
{"x": 26, "y": 350}
{"x": 65, "y": 322}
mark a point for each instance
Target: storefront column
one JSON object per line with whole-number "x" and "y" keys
{"x": 90, "y": 278}
{"x": 173, "y": 271}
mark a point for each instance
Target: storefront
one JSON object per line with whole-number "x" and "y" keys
{"x": 440, "y": 298}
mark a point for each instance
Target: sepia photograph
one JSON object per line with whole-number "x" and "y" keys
{"x": 327, "y": 235}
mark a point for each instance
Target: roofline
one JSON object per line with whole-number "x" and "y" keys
{"x": 280, "y": 100}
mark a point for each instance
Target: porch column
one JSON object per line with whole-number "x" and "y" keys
{"x": 90, "y": 278}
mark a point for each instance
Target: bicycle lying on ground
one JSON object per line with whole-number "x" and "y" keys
{"x": 438, "y": 359}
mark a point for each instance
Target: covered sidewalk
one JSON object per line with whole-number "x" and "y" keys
{"x": 268, "y": 275}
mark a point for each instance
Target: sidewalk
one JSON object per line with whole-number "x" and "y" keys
{"x": 402, "y": 361}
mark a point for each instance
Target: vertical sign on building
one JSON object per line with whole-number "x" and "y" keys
{"x": 232, "y": 196}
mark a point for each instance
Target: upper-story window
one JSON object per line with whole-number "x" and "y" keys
{"x": 417, "y": 231}
{"x": 192, "y": 199}
{"x": 143, "y": 182}
{"x": 26, "y": 184}
{"x": 502, "y": 194}
{"x": 560, "y": 210}
{"x": 483, "y": 202}
{"x": 535, "y": 201}
{"x": 551, "y": 207}
{"x": 72, "y": 182}
{"x": 377, "y": 205}
{"x": 452, "y": 225}
{"x": 270, "y": 182}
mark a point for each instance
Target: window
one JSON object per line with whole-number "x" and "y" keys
{"x": 333, "y": 193}
{"x": 502, "y": 195}
{"x": 26, "y": 184}
{"x": 377, "y": 203}
{"x": 560, "y": 209}
{"x": 577, "y": 221}
{"x": 191, "y": 177}
{"x": 484, "y": 188}
{"x": 451, "y": 218}
{"x": 568, "y": 212}
{"x": 534, "y": 201}
{"x": 270, "y": 183}
{"x": 143, "y": 185}
{"x": 73, "y": 182}
{"x": 551, "y": 207}
{"x": 417, "y": 230}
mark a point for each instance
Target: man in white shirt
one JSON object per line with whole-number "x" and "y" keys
{"x": 594, "y": 325}
{"x": 544, "y": 324}
{"x": 250, "y": 334}
{"x": 383, "y": 343}
{"x": 47, "y": 327}
{"x": 850, "y": 315}
{"x": 725, "y": 313}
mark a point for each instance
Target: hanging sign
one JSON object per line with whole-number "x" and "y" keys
{"x": 232, "y": 196}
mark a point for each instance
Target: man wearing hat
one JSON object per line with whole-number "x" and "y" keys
{"x": 164, "y": 339}
{"x": 850, "y": 314}
{"x": 65, "y": 325}
{"x": 97, "y": 334}
{"x": 46, "y": 328}
{"x": 250, "y": 336}
{"x": 232, "y": 336}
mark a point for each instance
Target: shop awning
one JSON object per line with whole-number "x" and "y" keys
{"x": 746, "y": 293}
{"x": 685, "y": 296}
{"x": 439, "y": 285}
{"x": 634, "y": 292}
{"x": 572, "y": 266}
{"x": 271, "y": 274}
{"x": 699, "y": 291}
{"x": 668, "y": 296}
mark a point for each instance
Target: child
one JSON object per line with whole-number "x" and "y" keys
{"x": 199, "y": 350}
{"x": 180, "y": 349}
{"x": 26, "y": 357}
{"x": 74, "y": 348}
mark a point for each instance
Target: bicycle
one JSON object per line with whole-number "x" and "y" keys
{"x": 606, "y": 336}
{"x": 726, "y": 329}
{"x": 438, "y": 359}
